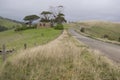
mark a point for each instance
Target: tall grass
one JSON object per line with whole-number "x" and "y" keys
{"x": 98, "y": 29}
{"x": 62, "y": 59}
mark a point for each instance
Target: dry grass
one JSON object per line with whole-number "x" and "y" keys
{"x": 62, "y": 59}
{"x": 98, "y": 30}
{"x": 96, "y": 23}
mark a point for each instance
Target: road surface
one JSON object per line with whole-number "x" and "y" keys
{"x": 112, "y": 51}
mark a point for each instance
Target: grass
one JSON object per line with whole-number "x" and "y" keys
{"x": 112, "y": 32}
{"x": 8, "y": 24}
{"x": 31, "y": 37}
{"x": 62, "y": 59}
{"x": 98, "y": 29}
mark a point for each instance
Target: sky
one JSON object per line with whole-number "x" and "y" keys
{"x": 75, "y": 10}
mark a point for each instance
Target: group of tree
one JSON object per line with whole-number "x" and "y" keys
{"x": 3, "y": 28}
{"x": 55, "y": 16}
{"x": 31, "y": 18}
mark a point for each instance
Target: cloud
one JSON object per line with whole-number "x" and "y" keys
{"x": 74, "y": 9}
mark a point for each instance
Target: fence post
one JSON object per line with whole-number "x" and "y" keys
{"x": 34, "y": 44}
{"x": 25, "y": 46}
{"x": 4, "y": 52}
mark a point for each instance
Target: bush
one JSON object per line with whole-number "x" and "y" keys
{"x": 34, "y": 26}
{"x": 82, "y": 29}
{"x": 24, "y": 27}
{"x": 119, "y": 39}
{"x": 3, "y": 28}
{"x": 59, "y": 27}
{"x": 105, "y": 36}
{"x": 20, "y": 28}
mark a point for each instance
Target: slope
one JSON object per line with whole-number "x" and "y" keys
{"x": 103, "y": 30}
{"x": 7, "y": 24}
{"x": 62, "y": 59}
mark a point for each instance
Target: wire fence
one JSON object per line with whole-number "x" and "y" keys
{"x": 4, "y": 51}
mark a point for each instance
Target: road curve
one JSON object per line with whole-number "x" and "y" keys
{"x": 112, "y": 51}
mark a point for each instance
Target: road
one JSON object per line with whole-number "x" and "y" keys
{"x": 112, "y": 51}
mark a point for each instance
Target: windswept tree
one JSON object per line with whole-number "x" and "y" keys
{"x": 60, "y": 18}
{"x": 46, "y": 15}
{"x": 31, "y": 18}
{"x": 57, "y": 14}
{"x": 56, "y": 10}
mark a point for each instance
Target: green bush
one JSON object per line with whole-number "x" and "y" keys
{"x": 105, "y": 36}
{"x": 24, "y": 27}
{"x": 34, "y": 25}
{"x": 119, "y": 39}
{"x": 82, "y": 29}
{"x": 3, "y": 28}
{"x": 59, "y": 27}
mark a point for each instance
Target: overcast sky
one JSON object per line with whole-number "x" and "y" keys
{"x": 75, "y": 10}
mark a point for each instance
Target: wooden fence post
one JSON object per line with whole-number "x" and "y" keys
{"x": 4, "y": 52}
{"x": 25, "y": 46}
{"x": 34, "y": 44}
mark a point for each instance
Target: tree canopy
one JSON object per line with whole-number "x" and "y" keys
{"x": 55, "y": 15}
{"x": 46, "y": 16}
{"x": 58, "y": 15}
{"x": 31, "y": 18}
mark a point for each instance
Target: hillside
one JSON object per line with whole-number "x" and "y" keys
{"x": 62, "y": 59}
{"x": 31, "y": 37}
{"x": 7, "y": 23}
{"x": 103, "y": 30}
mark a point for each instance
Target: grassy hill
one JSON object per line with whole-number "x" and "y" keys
{"x": 62, "y": 59}
{"x": 7, "y": 23}
{"x": 31, "y": 37}
{"x": 103, "y": 30}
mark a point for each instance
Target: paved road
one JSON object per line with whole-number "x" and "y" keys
{"x": 112, "y": 51}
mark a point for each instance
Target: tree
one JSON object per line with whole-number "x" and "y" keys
{"x": 119, "y": 39}
{"x": 57, "y": 14}
{"x": 2, "y": 28}
{"x": 31, "y": 18}
{"x": 46, "y": 16}
{"x": 56, "y": 10}
{"x": 82, "y": 29}
{"x": 60, "y": 18}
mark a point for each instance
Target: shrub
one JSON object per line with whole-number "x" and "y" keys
{"x": 24, "y": 27}
{"x": 82, "y": 29}
{"x": 119, "y": 39}
{"x": 59, "y": 27}
{"x": 105, "y": 36}
{"x": 3, "y": 28}
{"x": 34, "y": 26}
{"x": 20, "y": 28}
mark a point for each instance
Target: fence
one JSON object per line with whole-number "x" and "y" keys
{"x": 4, "y": 51}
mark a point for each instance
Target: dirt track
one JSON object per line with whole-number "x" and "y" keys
{"x": 112, "y": 51}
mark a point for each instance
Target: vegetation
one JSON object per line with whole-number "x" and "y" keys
{"x": 59, "y": 27}
{"x": 31, "y": 37}
{"x": 60, "y": 18}
{"x": 54, "y": 16}
{"x": 107, "y": 30}
{"x": 6, "y": 24}
{"x": 2, "y": 28}
{"x": 46, "y": 15}
{"x": 82, "y": 29}
{"x": 58, "y": 15}
{"x": 24, "y": 27}
{"x": 62, "y": 59}
{"x": 119, "y": 39}
{"x": 31, "y": 18}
